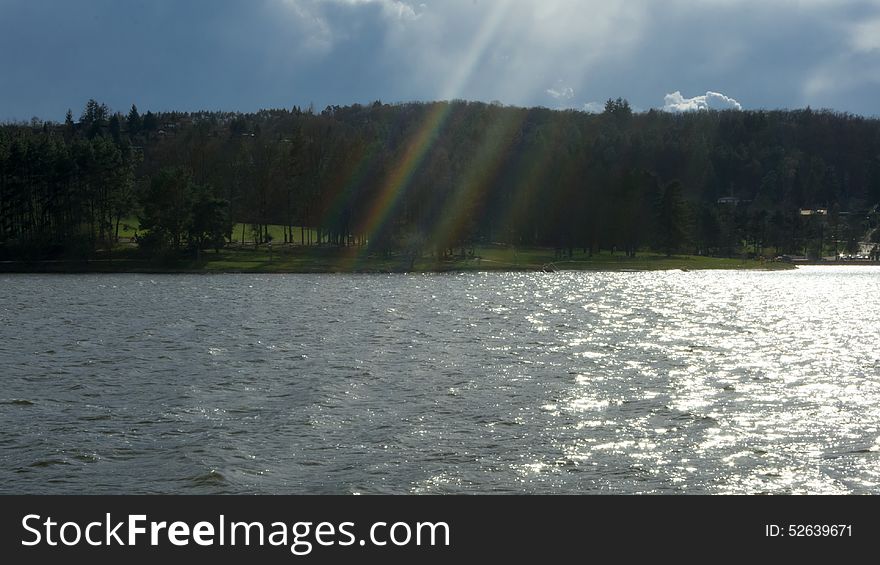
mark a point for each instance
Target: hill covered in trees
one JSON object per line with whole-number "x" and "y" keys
{"x": 442, "y": 177}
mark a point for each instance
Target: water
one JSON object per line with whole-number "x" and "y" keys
{"x": 664, "y": 382}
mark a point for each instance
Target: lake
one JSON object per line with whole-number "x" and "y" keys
{"x": 698, "y": 382}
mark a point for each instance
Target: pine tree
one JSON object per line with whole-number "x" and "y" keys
{"x": 115, "y": 127}
{"x": 134, "y": 121}
{"x": 671, "y": 219}
{"x": 150, "y": 122}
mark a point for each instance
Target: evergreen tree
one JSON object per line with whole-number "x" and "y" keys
{"x": 115, "y": 127}
{"x": 671, "y": 219}
{"x": 166, "y": 209}
{"x": 209, "y": 222}
{"x": 134, "y": 121}
{"x": 150, "y": 122}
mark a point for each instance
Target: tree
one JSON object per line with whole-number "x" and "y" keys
{"x": 237, "y": 127}
{"x": 209, "y": 222}
{"x": 708, "y": 230}
{"x": 123, "y": 198}
{"x": 134, "y": 121}
{"x": 671, "y": 219}
{"x": 852, "y": 246}
{"x": 619, "y": 109}
{"x": 150, "y": 122}
{"x": 115, "y": 128}
{"x": 94, "y": 117}
{"x": 491, "y": 174}
{"x": 69, "y": 126}
{"x": 167, "y": 206}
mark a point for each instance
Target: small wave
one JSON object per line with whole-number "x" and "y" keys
{"x": 21, "y": 402}
{"x": 48, "y": 463}
{"x": 212, "y": 478}
{"x": 873, "y": 449}
{"x": 96, "y": 417}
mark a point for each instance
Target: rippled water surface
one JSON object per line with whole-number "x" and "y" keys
{"x": 663, "y": 382}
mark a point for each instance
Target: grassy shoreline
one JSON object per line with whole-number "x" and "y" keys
{"x": 295, "y": 259}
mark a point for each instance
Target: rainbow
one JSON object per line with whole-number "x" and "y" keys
{"x": 399, "y": 178}
{"x": 345, "y": 180}
{"x": 487, "y": 161}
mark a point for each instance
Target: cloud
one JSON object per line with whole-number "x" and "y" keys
{"x": 563, "y": 93}
{"x": 675, "y": 102}
{"x": 854, "y": 70}
{"x": 247, "y": 55}
{"x": 392, "y": 8}
{"x": 509, "y": 50}
{"x": 774, "y": 54}
{"x": 865, "y": 36}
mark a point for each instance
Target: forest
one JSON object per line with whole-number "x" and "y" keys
{"x": 440, "y": 178}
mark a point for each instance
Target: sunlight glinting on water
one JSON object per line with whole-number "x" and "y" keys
{"x": 572, "y": 382}
{"x": 761, "y": 381}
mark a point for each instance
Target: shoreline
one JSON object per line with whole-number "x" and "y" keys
{"x": 324, "y": 260}
{"x": 132, "y": 267}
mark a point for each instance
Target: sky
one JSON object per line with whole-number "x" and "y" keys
{"x": 243, "y": 55}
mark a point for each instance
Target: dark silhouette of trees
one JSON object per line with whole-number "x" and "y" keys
{"x": 672, "y": 219}
{"x": 150, "y": 122}
{"x": 114, "y": 127}
{"x": 618, "y": 109}
{"x": 209, "y": 223}
{"x": 94, "y": 117}
{"x": 442, "y": 178}
{"x": 133, "y": 121}
{"x": 166, "y": 209}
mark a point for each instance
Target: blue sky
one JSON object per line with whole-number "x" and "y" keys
{"x": 251, "y": 54}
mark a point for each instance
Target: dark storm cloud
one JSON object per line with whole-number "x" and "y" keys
{"x": 246, "y": 55}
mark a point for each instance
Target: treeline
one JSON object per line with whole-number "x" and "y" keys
{"x": 61, "y": 195}
{"x": 444, "y": 176}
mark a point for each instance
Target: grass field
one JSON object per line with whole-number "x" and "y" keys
{"x": 128, "y": 227}
{"x": 296, "y": 258}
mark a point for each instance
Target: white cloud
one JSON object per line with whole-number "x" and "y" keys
{"x": 594, "y": 107}
{"x": 562, "y": 93}
{"x": 482, "y": 49}
{"x": 865, "y": 36}
{"x": 316, "y": 32}
{"x": 781, "y": 53}
{"x": 313, "y": 34}
{"x": 393, "y": 8}
{"x": 675, "y": 102}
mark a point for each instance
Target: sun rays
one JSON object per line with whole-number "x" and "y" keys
{"x": 419, "y": 144}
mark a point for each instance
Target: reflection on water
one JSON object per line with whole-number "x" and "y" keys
{"x": 664, "y": 382}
